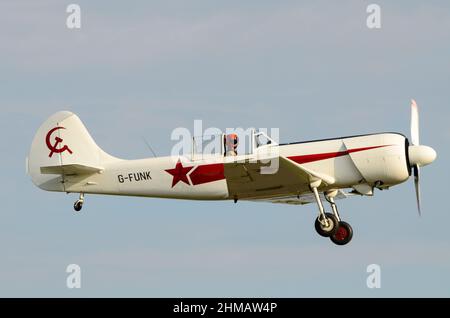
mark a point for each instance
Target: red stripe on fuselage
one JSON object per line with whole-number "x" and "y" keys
{"x": 215, "y": 172}
{"x": 329, "y": 155}
{"x": 207, "y": 173}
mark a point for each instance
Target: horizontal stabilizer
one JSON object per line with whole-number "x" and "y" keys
{"x": 71, "y": 170}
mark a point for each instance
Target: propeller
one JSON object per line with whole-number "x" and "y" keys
{"x": 414, "y": 123}
{"x": 419, "y": 156}
{"x": 416, "y": 171}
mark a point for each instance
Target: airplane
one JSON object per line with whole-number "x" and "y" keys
{"x": 65, "y": 158}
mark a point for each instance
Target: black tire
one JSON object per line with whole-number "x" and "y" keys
{"x": 327, "y": 232}
{"x": 343, "y": 234}
{"x": 77, "y": 206}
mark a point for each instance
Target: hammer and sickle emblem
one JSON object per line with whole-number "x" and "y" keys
{"x": 58, "y": 140}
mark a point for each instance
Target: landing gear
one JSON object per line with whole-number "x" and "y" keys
{"x": 343, "y": 234}
{"x": 326, "y": 223}
{"x": 326, "y": 230}
{"x": 78, "y": 205}
{"x": 344, "y": 231}
{"x": 330, "y": 224}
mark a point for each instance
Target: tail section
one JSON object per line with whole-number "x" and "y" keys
{"x": 62, "y": 147}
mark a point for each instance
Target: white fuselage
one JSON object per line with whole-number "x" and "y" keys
{"x": 361, "y": 162}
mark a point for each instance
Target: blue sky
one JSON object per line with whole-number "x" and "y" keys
{"x": 312, "y": 69}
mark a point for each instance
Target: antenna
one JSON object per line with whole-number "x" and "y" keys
{"x": 149, "y": 147}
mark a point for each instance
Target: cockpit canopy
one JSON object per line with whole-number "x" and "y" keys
{"x": 232, "y": 144}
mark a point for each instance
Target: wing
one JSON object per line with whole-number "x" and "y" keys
{"x": 249, "y": 181}
{"x": 301, "y": 199}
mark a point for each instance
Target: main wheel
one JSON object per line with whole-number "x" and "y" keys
{"x": 343, "y": 235}
{"x": 329, "y": 230}
{"x": 77, "y": 206}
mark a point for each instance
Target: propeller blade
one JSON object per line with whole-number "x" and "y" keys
{"x": 414, "y": 123}
{"x": 416, "y": 170}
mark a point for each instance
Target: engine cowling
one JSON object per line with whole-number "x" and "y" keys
{"x": 385, "y": 163}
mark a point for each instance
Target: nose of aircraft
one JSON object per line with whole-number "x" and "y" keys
{"x": 421, "y": 155}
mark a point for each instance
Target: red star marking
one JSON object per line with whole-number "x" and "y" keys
{"x": 179, "y": 173}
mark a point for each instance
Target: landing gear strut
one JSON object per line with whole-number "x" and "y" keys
{"x": 326, "y": 223}
{"x": 78, "y": 205}
{"x": 344, "y": 231}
